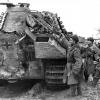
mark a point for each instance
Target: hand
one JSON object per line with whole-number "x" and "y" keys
{"x": 55, "y": 36}
{"x": 83, "y": 60}
{"x": 64, "y": 80}
{"x": 69, "y": 74}
{"x": 95, "y": 62}
{"x": 90, "y": 78}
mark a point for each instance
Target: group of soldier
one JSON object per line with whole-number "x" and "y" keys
{"x": 83, "y": 63}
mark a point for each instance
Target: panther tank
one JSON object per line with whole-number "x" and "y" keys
{"x": 28, "y": 47}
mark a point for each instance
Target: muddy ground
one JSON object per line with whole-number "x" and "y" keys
{"x": 30, "y": 90}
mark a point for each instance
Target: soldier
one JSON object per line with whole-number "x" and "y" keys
{"x": 89, "y": 58}
{"x": 96, "y": 76}
{"x": 98, "y": 45}
{"x": 97, "y": 73}
{"x": 73, "y": 68}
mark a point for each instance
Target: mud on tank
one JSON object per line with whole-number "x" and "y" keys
{"x": 28, "y": 49}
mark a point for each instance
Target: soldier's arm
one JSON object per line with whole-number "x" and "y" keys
{"x": 62, "y": 41}
{"x": 77, "y": 66}
{"x": 30, "y": 21}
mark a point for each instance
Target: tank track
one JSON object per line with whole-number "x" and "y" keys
{"x": 54, "y": 73}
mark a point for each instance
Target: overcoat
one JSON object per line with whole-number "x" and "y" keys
{"x": 74, "y": 63}
{"x": 89, "y": 58}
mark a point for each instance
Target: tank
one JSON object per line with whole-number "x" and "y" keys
{"x": 28, "y": 49}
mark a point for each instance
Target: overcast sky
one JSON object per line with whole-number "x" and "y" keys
{"x": 82, "y": 17}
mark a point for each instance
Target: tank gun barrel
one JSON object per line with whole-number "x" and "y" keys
{"x": 8, "y": 4}
{"x": 13, "y": 5}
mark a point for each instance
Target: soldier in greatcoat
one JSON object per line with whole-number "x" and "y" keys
{"x": 90, "y": 56}
{"x": 73, "y": 67}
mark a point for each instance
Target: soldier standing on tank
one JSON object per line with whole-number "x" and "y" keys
{"x": 73, "y": 68}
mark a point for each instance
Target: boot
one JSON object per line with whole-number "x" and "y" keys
{"x": 95, "y": 80}
{"x": 73, "y": 90}
{"x": 79, "y": 91}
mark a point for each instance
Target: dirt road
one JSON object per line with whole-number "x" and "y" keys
{"x": 24, "y": 90}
